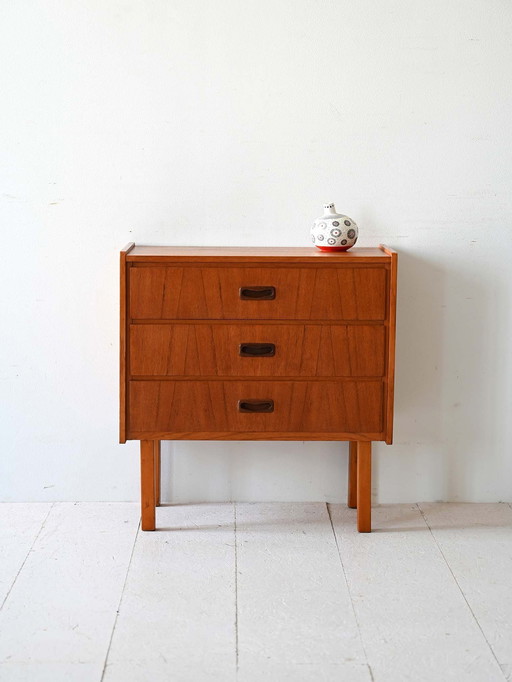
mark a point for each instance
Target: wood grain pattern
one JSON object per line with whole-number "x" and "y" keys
{"x": 322, "y": 293}
{"x": 328, "y": 376}
{"x": 123, "y": 341}
{"x": 364, "y": 487}
{"x": 251, "y": 254}
{"x": 147, "y": 484}
{"x": 214, "y": 350}
{"x": 391, "y": 322}
{"x": 305, "y": 406}
{"x": 352, "y": 476}
{"x": 257, "y": 435}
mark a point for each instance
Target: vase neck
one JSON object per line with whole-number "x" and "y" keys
{"x": 329, "y": 209}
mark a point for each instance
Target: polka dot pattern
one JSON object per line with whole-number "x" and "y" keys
{"x": 338, "y": 232}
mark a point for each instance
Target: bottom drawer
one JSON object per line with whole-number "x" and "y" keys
{"x": 187, "y": 407}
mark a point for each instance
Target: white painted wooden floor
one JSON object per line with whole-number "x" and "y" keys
{"x": 255, "y": 592}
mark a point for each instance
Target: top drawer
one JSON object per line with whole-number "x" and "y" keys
{"x": 240, "y": 293}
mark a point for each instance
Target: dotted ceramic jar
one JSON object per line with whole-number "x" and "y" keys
{"x": 333, "y": 231}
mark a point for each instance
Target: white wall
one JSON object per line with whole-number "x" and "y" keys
{"x": 232, "y": 122}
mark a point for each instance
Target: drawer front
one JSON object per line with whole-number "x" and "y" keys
{"x": 314, "y": 293}
{"x": 189, "y": 406}
{"x": 257, "y": 350}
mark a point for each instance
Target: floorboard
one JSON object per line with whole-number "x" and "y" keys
{"x": 295, "y": 617}
{"x": 19, "y": 527}
{"x": 255, "y": 592}
{"x": 57, "y": 621}
{"x": 177, "y": 617}
{"x": 476, "y": 541}
{"x": 414, "y": 621}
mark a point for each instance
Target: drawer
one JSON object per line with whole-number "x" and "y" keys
{"x": 188, "y": 407}
{"x": 306, "y": 293}
{"x": 272, "y": 350}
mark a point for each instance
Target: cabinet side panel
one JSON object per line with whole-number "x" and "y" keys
{"x": 123, "y": 330}
{"x": 390, "y": 378}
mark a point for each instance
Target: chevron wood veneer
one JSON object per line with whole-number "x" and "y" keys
{"x": 257, "y": 344}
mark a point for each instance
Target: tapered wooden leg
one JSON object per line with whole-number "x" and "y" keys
{"x": 157, "y": 472}
{"x": 352, "y": 476}
{"x": 147, "y": 484}
{"x": 364, "y": 486}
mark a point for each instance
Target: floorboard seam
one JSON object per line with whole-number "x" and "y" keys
{"x": 350, "y": 594}
{"x": 461, "y": 591}
{"x": 27, "y": 556}
{"x": 119, "y": 604}
{"x": 236, "y": 592}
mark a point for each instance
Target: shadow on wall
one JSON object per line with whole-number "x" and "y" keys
{"x": 448, "y": 383}
{"x": 198, "y": 471}
{"x": 451, "y": 429}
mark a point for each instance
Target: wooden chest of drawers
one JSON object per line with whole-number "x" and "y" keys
{"x": 257, "y": 344}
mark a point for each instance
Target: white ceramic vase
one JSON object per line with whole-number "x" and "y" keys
{"x": 333, "y": 231}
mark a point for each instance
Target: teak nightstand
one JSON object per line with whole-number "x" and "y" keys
{"x": 257, "y": 344}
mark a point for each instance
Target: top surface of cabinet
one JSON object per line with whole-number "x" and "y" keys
{"x": 253, "y": 253}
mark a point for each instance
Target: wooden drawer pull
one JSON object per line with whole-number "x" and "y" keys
{"x": 255, "y": 405}
{"x": 257, "y": 293}
{"x": 260, "y": 350}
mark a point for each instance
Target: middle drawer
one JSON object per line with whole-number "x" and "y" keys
{"x": 257, "y": 350}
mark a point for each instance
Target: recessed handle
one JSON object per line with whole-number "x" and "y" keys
{"x": 260, "y": 350}
{"x": 257, "y": 293}
{"x": 255, "y": 405}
